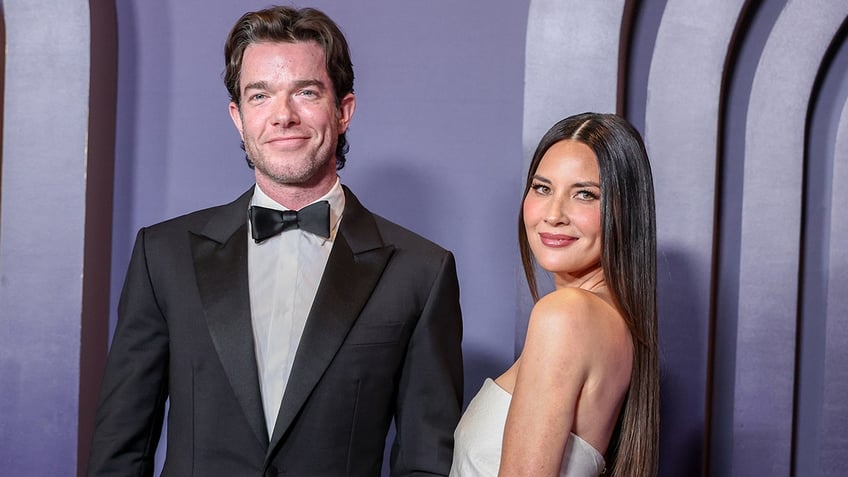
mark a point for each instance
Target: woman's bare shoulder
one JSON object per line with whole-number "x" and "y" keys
{"x": 573, "y": 307}
{"x": 572, "y": 323}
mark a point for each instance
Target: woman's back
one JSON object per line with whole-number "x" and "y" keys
{"x": 568, "y": 386}
{"x": 479, "y": 435}
{"x": 573, "y": 372}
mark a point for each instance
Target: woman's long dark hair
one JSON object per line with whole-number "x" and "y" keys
{"x": 629, "y": 262}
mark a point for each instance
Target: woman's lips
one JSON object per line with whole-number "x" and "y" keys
{"x": 556, "y": 240}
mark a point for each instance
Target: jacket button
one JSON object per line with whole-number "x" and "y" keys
{"x": 271, "y": 472}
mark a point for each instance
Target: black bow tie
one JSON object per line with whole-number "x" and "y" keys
{"x": 314, "y": 218}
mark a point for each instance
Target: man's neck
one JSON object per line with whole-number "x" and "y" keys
{"x": 295, "y": 196}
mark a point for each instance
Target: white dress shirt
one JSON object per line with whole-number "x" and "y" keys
{"x": 284, "y": 272}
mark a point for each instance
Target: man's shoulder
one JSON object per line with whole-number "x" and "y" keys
{"x": 391, "y": 233}
{"x": 197, "y": 219}
{"x": 412, "y": 251}
{"x": 395, "y": 233}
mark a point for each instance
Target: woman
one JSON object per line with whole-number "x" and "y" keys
{"x": 583, "y": 397}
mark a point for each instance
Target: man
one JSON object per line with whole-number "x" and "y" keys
{"x": 286, "y": 342}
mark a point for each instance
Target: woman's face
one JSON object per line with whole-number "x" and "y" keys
{"x": 562, "y": 212}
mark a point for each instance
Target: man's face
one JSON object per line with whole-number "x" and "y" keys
{"x": 288, "y": 117}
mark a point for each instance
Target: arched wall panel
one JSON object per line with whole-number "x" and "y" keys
{"x": 834, "y": 459}
{"x": 571, "y": 62}
{"x": 830, "y": 94}
{"x": 694, "y": 51}
{"x": 769, "y": 267}
{"x": 681, "y": 134}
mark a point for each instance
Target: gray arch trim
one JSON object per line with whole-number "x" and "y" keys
{"x": 571, "y": 62}
{"x": 834, "y": 409}
{"x": 768, "y": 282}
{"x": 681, "y": 134}
{"x": 681, "y": 127}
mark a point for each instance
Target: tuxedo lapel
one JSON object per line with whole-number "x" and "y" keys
{"x": 353, "y": 269}
{"x": 219, "y": 250}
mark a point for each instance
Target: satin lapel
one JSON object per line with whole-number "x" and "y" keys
{"x": 220, "y": 261}
{"x": 355, "y": 264}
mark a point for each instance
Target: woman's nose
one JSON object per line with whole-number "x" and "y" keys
{"x": 556, "y": 213}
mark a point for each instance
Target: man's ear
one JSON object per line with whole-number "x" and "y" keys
{"x": 235, "y": 115}
{"x": 346, "y": 108}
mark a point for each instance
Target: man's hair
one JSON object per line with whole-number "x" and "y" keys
{"x": 290, "y": 25}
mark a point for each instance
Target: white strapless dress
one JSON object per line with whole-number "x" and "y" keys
{"x": 479, "y": 435}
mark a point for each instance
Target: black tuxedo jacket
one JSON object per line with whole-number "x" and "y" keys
{"x": 382, "y": 340}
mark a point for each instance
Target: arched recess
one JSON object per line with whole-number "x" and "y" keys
{"x": 820, "y": 358}
{"x": 834, "y": 458}
{"x": 771, "y": 207}
{"x": 682, "y": 123}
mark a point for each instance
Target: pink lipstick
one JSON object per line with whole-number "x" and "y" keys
{"x": 556, "y": 240}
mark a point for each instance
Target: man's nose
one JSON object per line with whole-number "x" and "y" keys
{"x": 285, "y": 113}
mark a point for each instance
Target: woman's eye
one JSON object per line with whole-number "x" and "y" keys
{"x": 586, "y": 195}
{"x": 540, "y": 188}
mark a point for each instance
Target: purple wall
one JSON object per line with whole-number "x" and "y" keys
{"x": 435, "y": 144}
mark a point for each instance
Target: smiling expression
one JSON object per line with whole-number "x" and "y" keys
{"x": 562, "y": 216}
{"x": 288, "y": 117}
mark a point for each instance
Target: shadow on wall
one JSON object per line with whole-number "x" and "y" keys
{"x": 140, "y": 154}
{"x": 480, "y": 363}
{"x": 681, "y": 448}
{"x": 143, "y": 92}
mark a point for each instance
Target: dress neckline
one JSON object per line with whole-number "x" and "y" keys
{"x": 490, "y": 383}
